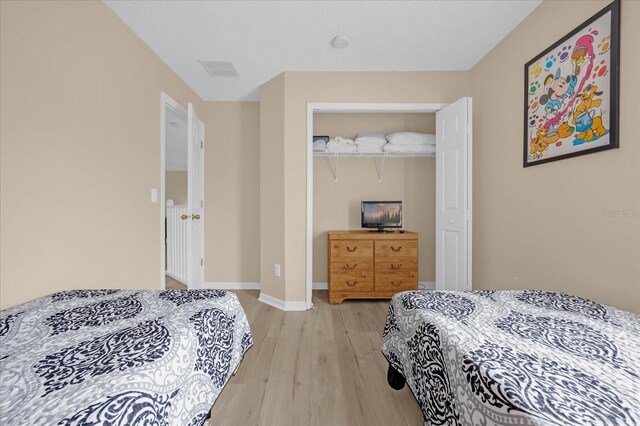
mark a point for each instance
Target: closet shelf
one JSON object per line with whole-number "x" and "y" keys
{"x": 370, "y": 154}
{"x": 374, "y": 155}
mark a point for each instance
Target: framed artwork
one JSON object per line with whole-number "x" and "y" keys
{"x": 572, "y": 92}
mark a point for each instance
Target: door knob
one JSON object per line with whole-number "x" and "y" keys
{"x": 196, "y": 216}
{"x": 184, "y": 217}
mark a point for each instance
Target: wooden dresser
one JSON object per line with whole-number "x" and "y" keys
{"x": 371, "y": 265}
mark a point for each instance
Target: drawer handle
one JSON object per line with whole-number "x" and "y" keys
{"x": 396, "y": 267}
{"x": 349, "y": 267}
{"x": 352, "y": 249}
{"x": 396, "y": 283}
{"x": 351, "y": 283}
{"x": 396, "y": 249}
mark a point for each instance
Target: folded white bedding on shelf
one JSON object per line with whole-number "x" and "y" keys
{"x": 370, "y": 149}
{"x": 410, "y": 149}
{"x": 371, "y": 139}
{"x": 411, "y": 138}
{"x": 378, "y": 143}
{"x": 319, "y": 146}
{"x": 339, "y": 144}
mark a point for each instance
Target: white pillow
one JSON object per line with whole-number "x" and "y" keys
{"x": 370, "y": 135}
{"x": 411, "y": 138}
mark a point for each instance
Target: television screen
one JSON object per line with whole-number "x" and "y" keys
{"x": 381, "y": 214}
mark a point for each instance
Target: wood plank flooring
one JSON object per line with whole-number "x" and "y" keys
{"x": 319, "y": 367}
{"x": 171, "y": 284}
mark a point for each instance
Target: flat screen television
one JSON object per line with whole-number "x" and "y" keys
{"x": 381, "y": 214}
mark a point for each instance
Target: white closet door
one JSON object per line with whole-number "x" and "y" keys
{"x": 195, "y": 203}
{"x": 453, "y": 196}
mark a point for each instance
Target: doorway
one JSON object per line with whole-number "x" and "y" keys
{"x": 453, "y": 185}
{"x": 181, "y": 195}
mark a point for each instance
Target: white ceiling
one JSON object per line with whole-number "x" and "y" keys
{"x": 175, "y": 142}
{"x": 265, "y": 38}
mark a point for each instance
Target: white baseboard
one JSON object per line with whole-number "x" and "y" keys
{"x": 426, "y": 285}
{"x": 220, "y": 285}
{"x": 320, "y": 286}
{"x": 283, "y": 305}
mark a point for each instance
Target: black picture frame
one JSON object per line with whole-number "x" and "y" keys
{"x": 602, "y": 61}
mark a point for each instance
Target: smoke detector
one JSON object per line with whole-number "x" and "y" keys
{"x": 340, "y": 42}
{"x": 219, "y": 68}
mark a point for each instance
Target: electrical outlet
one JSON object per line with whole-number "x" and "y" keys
{"x": 276, "y": 270}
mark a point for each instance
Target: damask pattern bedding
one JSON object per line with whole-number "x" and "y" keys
{"x": 515, "y": 357}
{"x": 119, "y": 357}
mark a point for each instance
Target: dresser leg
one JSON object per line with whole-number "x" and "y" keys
{"x": 335, "y": 299}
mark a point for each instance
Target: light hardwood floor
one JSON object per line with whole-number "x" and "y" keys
{"x": 171, "y": 284}
{"x": 319, "y": 367}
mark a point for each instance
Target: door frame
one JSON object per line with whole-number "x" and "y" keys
{"x": 166, "y": 101}
{"x": 324, "y": 107}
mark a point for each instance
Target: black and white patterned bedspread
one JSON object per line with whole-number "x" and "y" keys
{"x": 119, "y": 357}
{"x": 515, "y": 357}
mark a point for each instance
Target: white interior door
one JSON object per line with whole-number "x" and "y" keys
{"x": 453, "y": 196}
{"x": 195, "y": 197}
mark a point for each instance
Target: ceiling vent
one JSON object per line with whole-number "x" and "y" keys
{"x": 219, "y": 68}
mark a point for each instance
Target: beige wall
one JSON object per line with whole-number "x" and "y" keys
{"x": 232, "y": 191}
{"x": 79, "y": 150}
{"x": 175, "y": 187}
{"x": 337, "y": 205}
{"x": 272, "y": 176}
{"x": 544, "y": 227}
{"x": 299, "y": 88}
{"x": 79, "y": 139}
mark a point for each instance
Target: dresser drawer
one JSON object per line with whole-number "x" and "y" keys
{"x": 401, "y": 266}
{"x": 396, "y": 283}
{"x": 396, "y": 248}
{"x": 355, "y": 266}
{"x": 351, "y": 282}
{"x": 347, "y": 249}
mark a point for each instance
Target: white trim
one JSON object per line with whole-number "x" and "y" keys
{"x": 325, "y": 107}
{"x": 281, "y": 304}
{"x": 321, "y": 286}
{"x": 231, "y": 285}
{"x": 309, "y": 248}
{"x": 469, "y": 192}
{"x": 426, "y": 285}
{"x": 375, "y": 108}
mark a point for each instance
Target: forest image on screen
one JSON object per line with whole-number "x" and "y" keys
{"x": 382, "y": 214}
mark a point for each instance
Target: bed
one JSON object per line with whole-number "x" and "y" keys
{"x": 119, "y": 357}
{"x": 514, "y": 357}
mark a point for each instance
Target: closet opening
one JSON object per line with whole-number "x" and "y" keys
{"x": 337, "y": 183}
